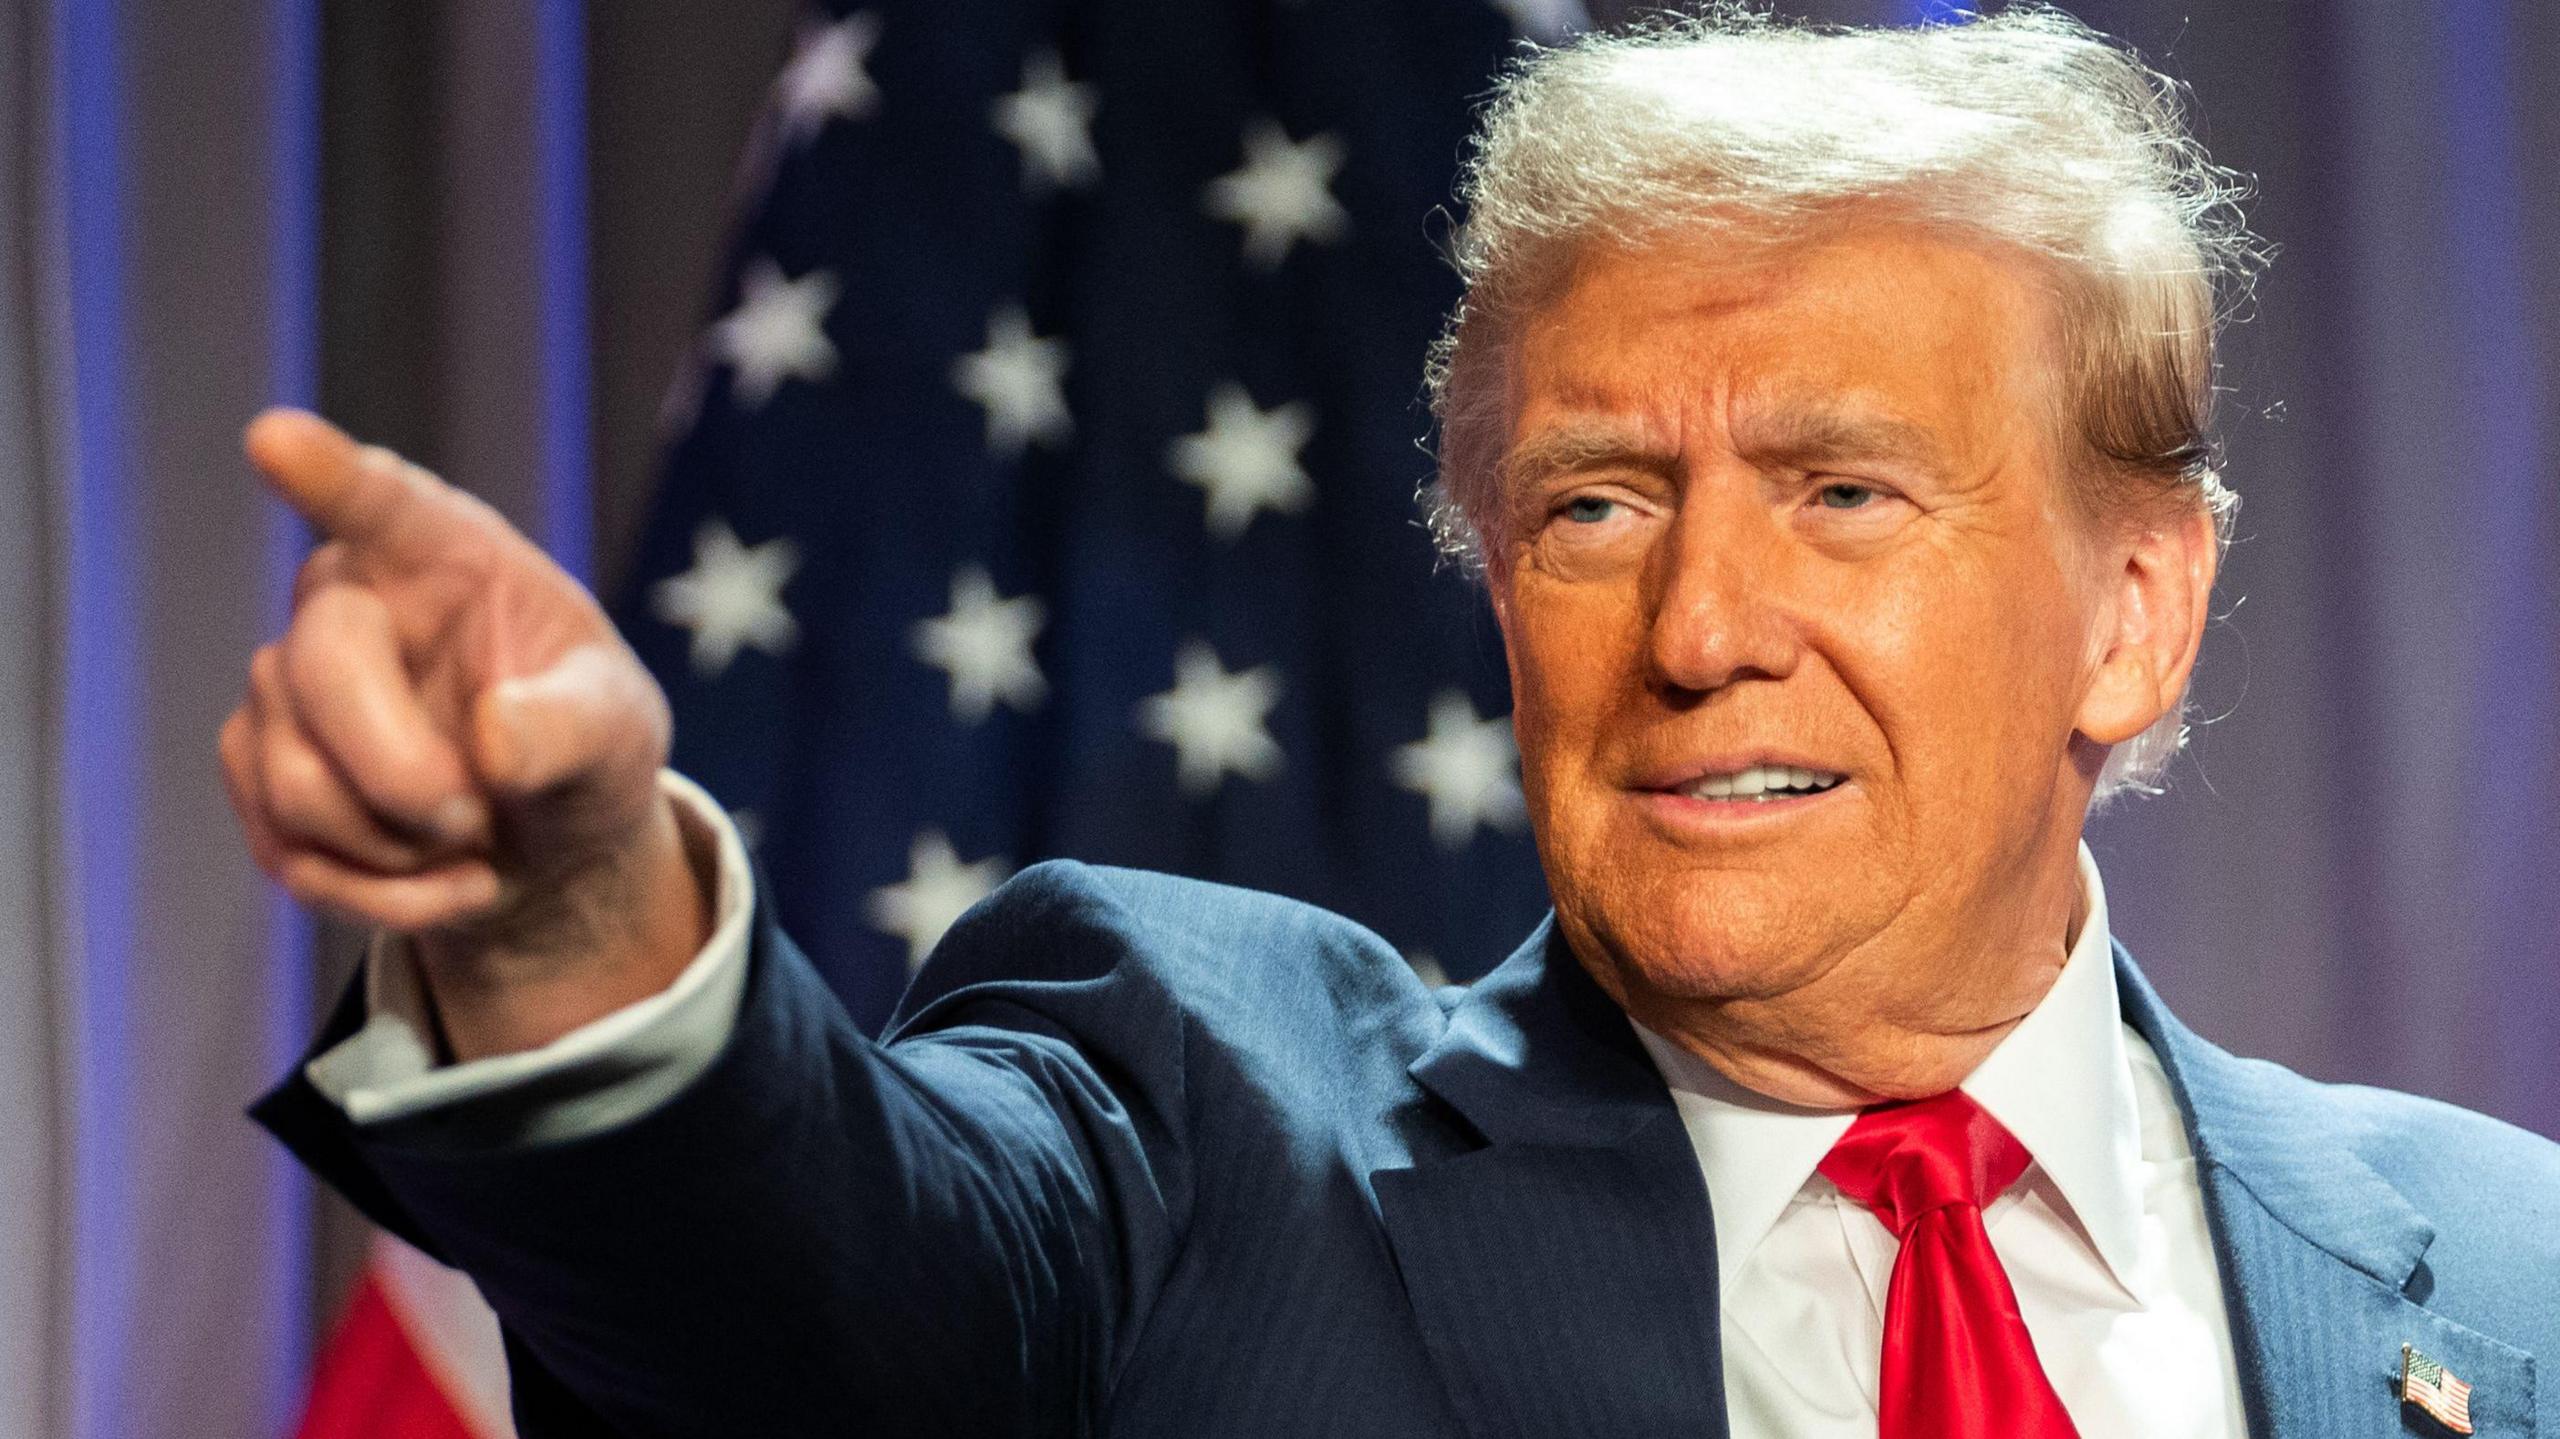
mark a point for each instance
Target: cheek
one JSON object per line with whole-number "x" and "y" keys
{"x": 1967, "y": 665}
{"x": 1570, "y": 658}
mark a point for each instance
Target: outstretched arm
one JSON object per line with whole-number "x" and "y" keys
{"x": 955, "y": 1233}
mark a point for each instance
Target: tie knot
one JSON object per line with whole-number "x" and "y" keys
{"x": 1904, "y": 1160}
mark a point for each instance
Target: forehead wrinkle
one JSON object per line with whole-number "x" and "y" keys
{"x": 1822, "y": 430}
{"x": 1631, "y": 401}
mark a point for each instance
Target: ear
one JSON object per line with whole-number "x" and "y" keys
{"x": 2162, "y": 593}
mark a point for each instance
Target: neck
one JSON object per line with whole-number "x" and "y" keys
{"x": 1814, "y": 1072}
{"x": 1891, "y": 1021}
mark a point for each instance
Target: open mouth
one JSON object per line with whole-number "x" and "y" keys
{"x": 1761, "y": 784}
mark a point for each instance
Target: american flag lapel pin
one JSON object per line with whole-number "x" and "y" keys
{"x": 2433, "y": 1388}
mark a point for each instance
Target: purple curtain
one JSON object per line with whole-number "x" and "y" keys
{"x": 2352, "y": 873}
{"x": 160, "y": 281}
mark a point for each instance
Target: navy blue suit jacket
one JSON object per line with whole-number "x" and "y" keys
{"x": 1150, "y": 1157}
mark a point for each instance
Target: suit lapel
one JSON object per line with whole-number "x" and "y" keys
{"x": 1564, "y": 1273}
{"x": 2323, "y": 1261}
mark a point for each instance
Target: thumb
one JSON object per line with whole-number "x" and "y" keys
{"x": 592, "y": 719}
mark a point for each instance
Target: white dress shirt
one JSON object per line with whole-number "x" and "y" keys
{"x": 2104, "y": 1237}
{"x": 611, "y": 1069}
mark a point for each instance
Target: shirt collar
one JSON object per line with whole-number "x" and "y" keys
{"x": 2061, "y": 1083}
{"x": 2063, "y": 1065}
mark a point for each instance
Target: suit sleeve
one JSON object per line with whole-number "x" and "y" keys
{"x": 958, "y": 1231}
{"x": 605, "y": 1072}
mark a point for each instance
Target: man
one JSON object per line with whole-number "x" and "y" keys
{"x": 1826, "y": 414}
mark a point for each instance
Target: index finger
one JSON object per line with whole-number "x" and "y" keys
{"x": 364, "y": 495}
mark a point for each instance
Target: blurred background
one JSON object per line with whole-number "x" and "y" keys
{"x": 996, "y": 422}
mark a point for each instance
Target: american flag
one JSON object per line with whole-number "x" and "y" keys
{"x": 1044, "y": 482}
{"x": 2433, "y": 1388}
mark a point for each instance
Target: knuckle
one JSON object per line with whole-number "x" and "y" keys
{"x": 302, "y": 795}
{"x": 266, "y": 670}
{"x": 405, "y": 788}
{"x": 263, "y": 849}
{"x": 388, "y": 764}
{"x": 327, "y": 619}
{"x": 240, "y": 776}
{"x": 231, "y": 742}
{"x": 301, "y": 661}
{"x": 306, "y": 877}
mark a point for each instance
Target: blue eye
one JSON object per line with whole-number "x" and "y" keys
{"x": 1589, "y": 509}
{"x": 1846, "y": 497}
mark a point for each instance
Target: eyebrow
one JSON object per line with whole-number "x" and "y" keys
{"x": 1802, "y": 437}
{"x": 1581, "y": 446}
{"x": 1814, "y": 436}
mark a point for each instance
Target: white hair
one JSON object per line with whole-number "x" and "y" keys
{"x": 2027, "y": 129}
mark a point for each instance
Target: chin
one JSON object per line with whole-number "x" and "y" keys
{"x": 1710, "y": 934}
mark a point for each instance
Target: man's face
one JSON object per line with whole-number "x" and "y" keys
{"x": 1802, "y": 511}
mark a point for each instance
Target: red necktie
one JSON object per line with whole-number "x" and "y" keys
{"x": 1957, "y": 1360}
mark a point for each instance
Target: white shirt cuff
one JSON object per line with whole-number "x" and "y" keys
{"x": 603, "y": 1073}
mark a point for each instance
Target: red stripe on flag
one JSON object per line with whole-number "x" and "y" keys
{"x": 371, "y": 1383}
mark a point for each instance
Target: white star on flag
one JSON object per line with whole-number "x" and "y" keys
{"x": 1545, "y": 19}
{"x": 1050, "y": 119}
{"x": 1247, "y": 459}
{"x": 1214, "y": 720}
{"x": 985, "y": 645}
{"x": 1278, "y": 195}
{"x": 938, "y": 890}
{"x": 1465, "y": 768}
{"x": 777, "y": 332}
{"x": 1017, "y": 379}
{"x": 826, "y": 78}
{"x": 732, "y": 597}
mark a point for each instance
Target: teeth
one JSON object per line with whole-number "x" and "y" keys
{"x": 1764, "y": 782}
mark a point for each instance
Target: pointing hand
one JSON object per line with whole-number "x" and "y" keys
{"x": 451, "y": 741}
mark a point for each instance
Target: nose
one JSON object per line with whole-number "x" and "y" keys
{"x": 1721, "y": 610}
